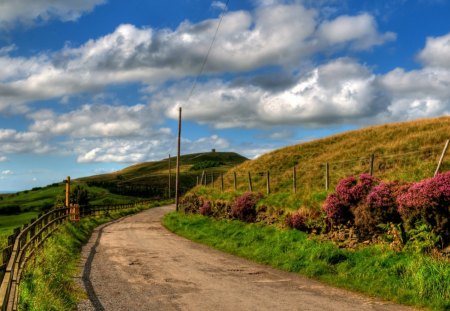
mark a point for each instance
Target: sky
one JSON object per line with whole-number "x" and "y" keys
{"x": 93, "y": 86}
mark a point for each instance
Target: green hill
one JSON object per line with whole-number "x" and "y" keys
{"x": 139, "y": 181}
{"x": 407, "y": 151}
{"x": 152, "y": 178}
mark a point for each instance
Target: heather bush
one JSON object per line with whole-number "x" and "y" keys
{"x": 427, "y": 202}
{"x": 344, "y": 190}
{"x": 244, "y": 207}
{"x": 379, "y": 207}
{"x": 297, "y": 220}
{"x": 349, "y": 193}
{"x": 191, "y": 203}
{"x": 336, "y": 211}
{"x": 205, "y": 209}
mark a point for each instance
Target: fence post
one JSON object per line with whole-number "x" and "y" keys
{"x": 294, "y": 179}
{"x": 372, "y": 159}
{"x": 327, "y": 176}
{"x": 68, "y": 191}
{"x": 221, "y": 182}
{"x": 442, "y": 158}
{"x": 235, "y": 181}
{"x": 250, "y": 186}
{"x": 268, "y": 182}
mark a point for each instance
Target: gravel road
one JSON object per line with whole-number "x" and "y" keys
{"x": 136, "y": 264}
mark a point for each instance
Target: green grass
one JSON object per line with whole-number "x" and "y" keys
{"x": 46, "y": 197}
{"x": 407, "y": 151}
{"x": 10, "y": 222}
{"x": 49, "y": 283}
{"x": 375, "y": 270}
{"x": 155, "y": 174}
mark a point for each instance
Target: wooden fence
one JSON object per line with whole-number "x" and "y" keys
{"x": 25, "y": 241}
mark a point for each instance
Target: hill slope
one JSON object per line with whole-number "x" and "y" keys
{"x": 138, "y": 181}
{"x": 152, "y": 178}
{"x": 407, "y": 151}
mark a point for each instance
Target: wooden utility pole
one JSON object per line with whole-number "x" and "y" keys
{"x": 177, "y": 180}
{"x": 170, "y": 180}
{"x": 221, "y": 182}
{"x": 327, "y": 176}
{"x": 212, "y": 179}
{"x": 250, "y": 186}
{"x": 235, "y": 181}
{"x": 68, "y": 191}
{"x": 268, "y": 182}
{"x": 442, "y": 158}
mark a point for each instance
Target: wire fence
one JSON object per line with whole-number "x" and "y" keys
{"x": 409, "y": 165}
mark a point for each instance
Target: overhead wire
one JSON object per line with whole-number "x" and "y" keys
{"x": 205, "y": 60}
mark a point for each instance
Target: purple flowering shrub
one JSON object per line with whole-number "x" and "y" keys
{"x": 205, "y": 209}
{"x": 378, "y": 207}
{"x": 336, "y": 211}
{"x": 349, "y": 193}
{"x": 244, "y": 207}
{"x": 297, "y": 220}
{"x": 368, "y": 202}
{"x": 427, "y": 202}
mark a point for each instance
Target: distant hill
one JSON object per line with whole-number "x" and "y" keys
{"x": 407, "y": 151}
{"x": 139, "y": 181}
{"x": 152, "y": 178}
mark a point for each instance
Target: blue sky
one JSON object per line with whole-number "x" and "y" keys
{"x": 91, "y": 86}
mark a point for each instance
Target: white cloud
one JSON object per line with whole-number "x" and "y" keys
{"x": 277, "y": 34}
{"x": 339, "y": 91}
{"x": 3, "y": 159}
{"x": 436, "y": 52}
{"x": 219, "y": 5}
{"x": 360, "y": 31}
{"x": 95, "y": 121}
{"x": 29, "y": 11}
{"x": 7, "y": 172}
{"x": 13, "y": 141}
{"x": 140, "y": 149}
{"x": 417, "y": 93}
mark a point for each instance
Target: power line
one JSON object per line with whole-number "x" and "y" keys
{"x": 208, "y": 53}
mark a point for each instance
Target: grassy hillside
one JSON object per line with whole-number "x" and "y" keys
{"x": 406, "y": 151}
{"x": 152, "y": 178}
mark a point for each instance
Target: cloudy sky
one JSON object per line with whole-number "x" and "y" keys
{"x": 91, "y": 86}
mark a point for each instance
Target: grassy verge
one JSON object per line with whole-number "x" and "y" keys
{"x": 375, "y": 270}
{"x": 49, "y": 283}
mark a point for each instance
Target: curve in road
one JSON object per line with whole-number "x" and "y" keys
{"x": 136, "y": 264}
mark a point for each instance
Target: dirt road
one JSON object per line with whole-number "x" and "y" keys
{"x": 136, "y": 264}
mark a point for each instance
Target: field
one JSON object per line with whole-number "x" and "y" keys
{"x": 406, "y": 151}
